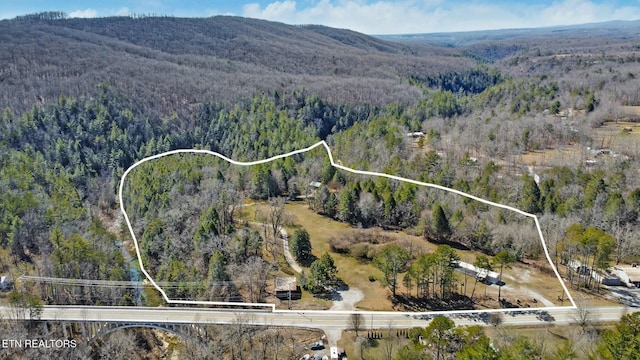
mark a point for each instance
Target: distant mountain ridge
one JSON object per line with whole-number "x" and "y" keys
{"x": 617, "y": 29}
{"x": 169, "y": 65}
{"x": 172, "y": 64}
{"x": 195, "y": 35}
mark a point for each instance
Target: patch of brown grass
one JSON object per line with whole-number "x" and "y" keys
{"x": 350, "y": 270}
{"x": 563, "y": 155}
{"x": 526, "y": 281}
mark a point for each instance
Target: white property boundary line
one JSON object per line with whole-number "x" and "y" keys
{"x": 361, "y": 172}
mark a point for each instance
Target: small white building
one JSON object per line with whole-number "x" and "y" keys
{"x": 315, "y": 184}
{"x": 417, "y": 134}
{"x": 5, "y": 282}
{"x": 629, "y": 274}
{"x": 602, "y": 277}
{"x": 490, "y": 277}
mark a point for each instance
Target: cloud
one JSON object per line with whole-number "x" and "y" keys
{"x": 123, "y": 11}
{"x": 88, "y": 13}
{"x": 583, "y": 11}
{"x": 413, "y": 16}
{"x": 273, "y": 11}
{"x": 215, "y": 12}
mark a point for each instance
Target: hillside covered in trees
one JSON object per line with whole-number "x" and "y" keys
{"x": 163, "y": 65}
{"x": 547, "y": 126}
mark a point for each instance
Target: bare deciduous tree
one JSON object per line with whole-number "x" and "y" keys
{"x": 276, "y": 215}
{"x": 623, "y": 235}
{"x": 361, "y": 345}
{"x": 495, "y": 319}
{"x": 583, "y": 317}
{"x": 252, "y": 277}
{"x": 118, "y": 345}
{"x": 388, "y": 347}
{"x": 357, "y": 322}
{"x": 273, "y": 218}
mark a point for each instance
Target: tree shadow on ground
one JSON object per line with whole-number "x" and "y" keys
{"x": 412, "y": 303}
{"x": 333, "y": 293}
{"x": 306, "y": 262}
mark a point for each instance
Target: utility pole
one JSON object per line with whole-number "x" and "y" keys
{"x": 371, "y": 322}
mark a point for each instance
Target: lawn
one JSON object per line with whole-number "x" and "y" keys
{"x": 528, "y": 281}
{"x": 525, "y": 281}
{"x": 350, "y": 270}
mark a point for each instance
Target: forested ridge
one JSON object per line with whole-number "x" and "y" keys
{"x": 164, "y": 64}
{"x": 526, "y": 124}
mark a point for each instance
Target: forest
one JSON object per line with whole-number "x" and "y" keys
{"x": 547, "y": 127}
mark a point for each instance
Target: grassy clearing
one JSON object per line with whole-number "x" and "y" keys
{"x": 528, "y": 281}
{"x": 309, "y": 302}
{"x": 592, "y": 299}
{"x": 350, "y": 270}
{"x": 617, "y": 137}
{"x": 622, "y": 137}
{"x": 533, "y": 279}
{"x": 320, "y": 228}
{"x": 560, "y": 156}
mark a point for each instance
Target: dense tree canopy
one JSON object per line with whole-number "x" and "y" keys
{"x": 323, "y": 274}
{"x": 300, "y": 245}
{"x": 392, "y": 260}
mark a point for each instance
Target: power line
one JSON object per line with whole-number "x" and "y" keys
{"x": 106, "y": 283}
{"x": 120, "y": 283}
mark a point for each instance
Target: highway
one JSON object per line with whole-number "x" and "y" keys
{"x": 308, "y": 319}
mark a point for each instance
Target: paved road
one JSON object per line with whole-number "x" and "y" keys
{"x": 306, "y": 319}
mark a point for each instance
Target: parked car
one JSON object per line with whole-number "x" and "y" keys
{"x": 318, "y": 345}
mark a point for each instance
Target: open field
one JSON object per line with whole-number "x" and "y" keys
{"x": 621, "y": 137}
{"x": 560, "y": 156}
{"x": 321, "y": 229}
{"x": 525, "y": 281}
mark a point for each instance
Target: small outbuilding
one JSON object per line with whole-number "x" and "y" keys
{"x": 483, "y": 275}
{"x": 287, "y": 288}
{"x": 315, "y": 184}
{"x": 611, "y": 280}
{"x": 5, "y": 282}
{"x": 630, "y": 274}
{"x": 417, "y": 134}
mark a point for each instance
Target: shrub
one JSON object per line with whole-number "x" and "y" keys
{"x": 359, "y": 251}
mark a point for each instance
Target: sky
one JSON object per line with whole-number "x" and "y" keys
{"x": 374, "y": 17}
